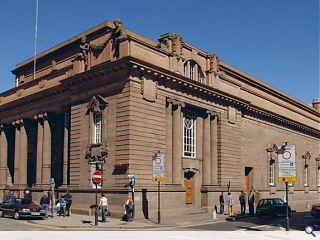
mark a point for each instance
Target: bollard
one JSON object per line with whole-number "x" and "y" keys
{"x": 214, "y": 214}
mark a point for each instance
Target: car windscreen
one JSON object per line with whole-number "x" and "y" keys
{"x": 278, "y": 201}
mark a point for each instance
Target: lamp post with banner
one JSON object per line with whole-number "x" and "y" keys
{"x": 158, "y": 174}
{"x": 287, "y": 170}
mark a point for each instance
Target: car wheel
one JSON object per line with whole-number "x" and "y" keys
{"x": 16, "y": 215}
{"x": 1, "y": 213}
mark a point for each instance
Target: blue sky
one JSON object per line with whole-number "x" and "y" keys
{"x": 276, "y": 41}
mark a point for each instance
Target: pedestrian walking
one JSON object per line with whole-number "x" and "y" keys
{"x": 230, "y": 202}
{"x": 242, "y": 200}
{"x": 68, "y": 199}
{"x": 251, "y": 203}
{"x": 221, "y": 201}
{"x": 103, "y": 205}
{"x": 44, "y": 202}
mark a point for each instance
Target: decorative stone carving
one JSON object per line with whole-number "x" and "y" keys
{"x": 163, "y": 44}
{"x": 149, "y": 89}
{"x": 17, "y": 123}
{"x": 213, "y": 64}
{"x": 232, "y": 115}
{"x": 97, "y": 104}
{"x": 96, "y": 153}
{"x": 177, "y": 46}
{"x": 172, "y": 43}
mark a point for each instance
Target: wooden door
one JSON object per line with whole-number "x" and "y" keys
{"x": 188, "y": 185}
{"x": 247, "y": 184}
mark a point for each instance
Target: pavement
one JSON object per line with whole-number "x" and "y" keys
{"x": 81, "y": 222}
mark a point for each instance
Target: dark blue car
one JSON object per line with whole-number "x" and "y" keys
{"x": 272, "y": 207}
{"x": 20, "y": 207}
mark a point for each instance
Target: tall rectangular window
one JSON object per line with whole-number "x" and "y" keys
{"x": 306, "y": 175}
{"x": 271, "y": 173}
{"x": 318, "y": 175}
{"x": 189, "y": 135}
{"x": 97, "y": 127}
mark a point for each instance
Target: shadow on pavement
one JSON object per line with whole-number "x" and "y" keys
{"x": 298, "y": 221}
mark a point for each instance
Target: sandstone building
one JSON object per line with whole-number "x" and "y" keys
{"x": 109, "y": 95}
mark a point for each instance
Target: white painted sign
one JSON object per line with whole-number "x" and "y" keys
{"x": 287, "y": 163}
{"x": 158, "y": 167}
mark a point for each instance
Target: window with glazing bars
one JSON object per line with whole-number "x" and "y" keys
{"x": 271, "y": 173}
{"x": 189, "y": 135}
{"x": 97, "y": 127}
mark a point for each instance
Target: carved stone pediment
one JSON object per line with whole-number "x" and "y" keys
{"x": 97, "y": 104}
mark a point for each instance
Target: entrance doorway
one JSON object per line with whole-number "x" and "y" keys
{"x": 248, "y": 179}
{"x": 188, "y": 183}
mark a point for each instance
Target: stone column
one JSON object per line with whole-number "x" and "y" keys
{"x": 23, "y": 155}
{"x": 168, "y": 162}
{"x": 39, "y": 118}
{"x": 46, "y": 162}
{"x": 16, "y": 173}
{"x": 199, "y": 139}
{"x": 66, "y": 145}
{"x": 214, "y": 149}
{"x": 177, "y": 143}
{"x": 3, "y": 156}
{"x": 206, "y": 163}
{"x": 91, "y": 128}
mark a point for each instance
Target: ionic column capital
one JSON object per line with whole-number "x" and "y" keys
{"x": 175, "y": 102}
{"x": 41, "y": 116}
{"x": 212, "y": 114}
{"x": 18, "y": 123}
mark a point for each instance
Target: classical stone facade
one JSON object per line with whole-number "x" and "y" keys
{"x": 109, "y": 98}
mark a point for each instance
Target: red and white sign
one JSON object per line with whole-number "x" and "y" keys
{"x": 97, "y": 177}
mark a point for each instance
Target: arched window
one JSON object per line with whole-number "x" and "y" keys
{"x": 193, "y": 70}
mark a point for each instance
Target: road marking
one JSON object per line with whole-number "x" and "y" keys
{"x": 254, "y": 227}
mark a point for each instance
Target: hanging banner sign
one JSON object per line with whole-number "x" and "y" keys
{"x": 287, "y": 163}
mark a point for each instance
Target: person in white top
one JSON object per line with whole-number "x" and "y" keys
{"x": 104, "y": 207}
{"x": 230, "y": 202}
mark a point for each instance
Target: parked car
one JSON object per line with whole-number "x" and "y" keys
{"x": 315, "y": 210}
{"x": 272, "y": 207}
{"x": 20, "y": 207}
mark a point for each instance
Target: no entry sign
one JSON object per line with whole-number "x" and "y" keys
{"x": 97, "y": 177}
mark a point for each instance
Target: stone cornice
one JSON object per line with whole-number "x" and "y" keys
{"x": 258, "y": 84}
{"x": 167, "y": 77}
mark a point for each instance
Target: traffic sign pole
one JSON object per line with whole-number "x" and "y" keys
{"x": 159, "y": 217}
{"x": 96, "y": 212}
{"x": 287, "y": 208}
{"x": 96, "y": 178}
{"x": 133, "y": 207}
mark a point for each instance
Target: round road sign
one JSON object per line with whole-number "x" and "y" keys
{"x": 97, "y": 177}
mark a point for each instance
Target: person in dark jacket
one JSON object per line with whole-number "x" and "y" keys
{"x": 251, "y": 203}
{"x": 44, "y": 202}
{"x": 242, "y": 200}
{"x": 68, "y": 199}
{"x": 221, "y": 201}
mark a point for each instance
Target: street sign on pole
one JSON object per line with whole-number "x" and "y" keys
{"x": 287, "y": 163}
{"x": 158, "y": 167}
{"x": 97, "y": 177}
